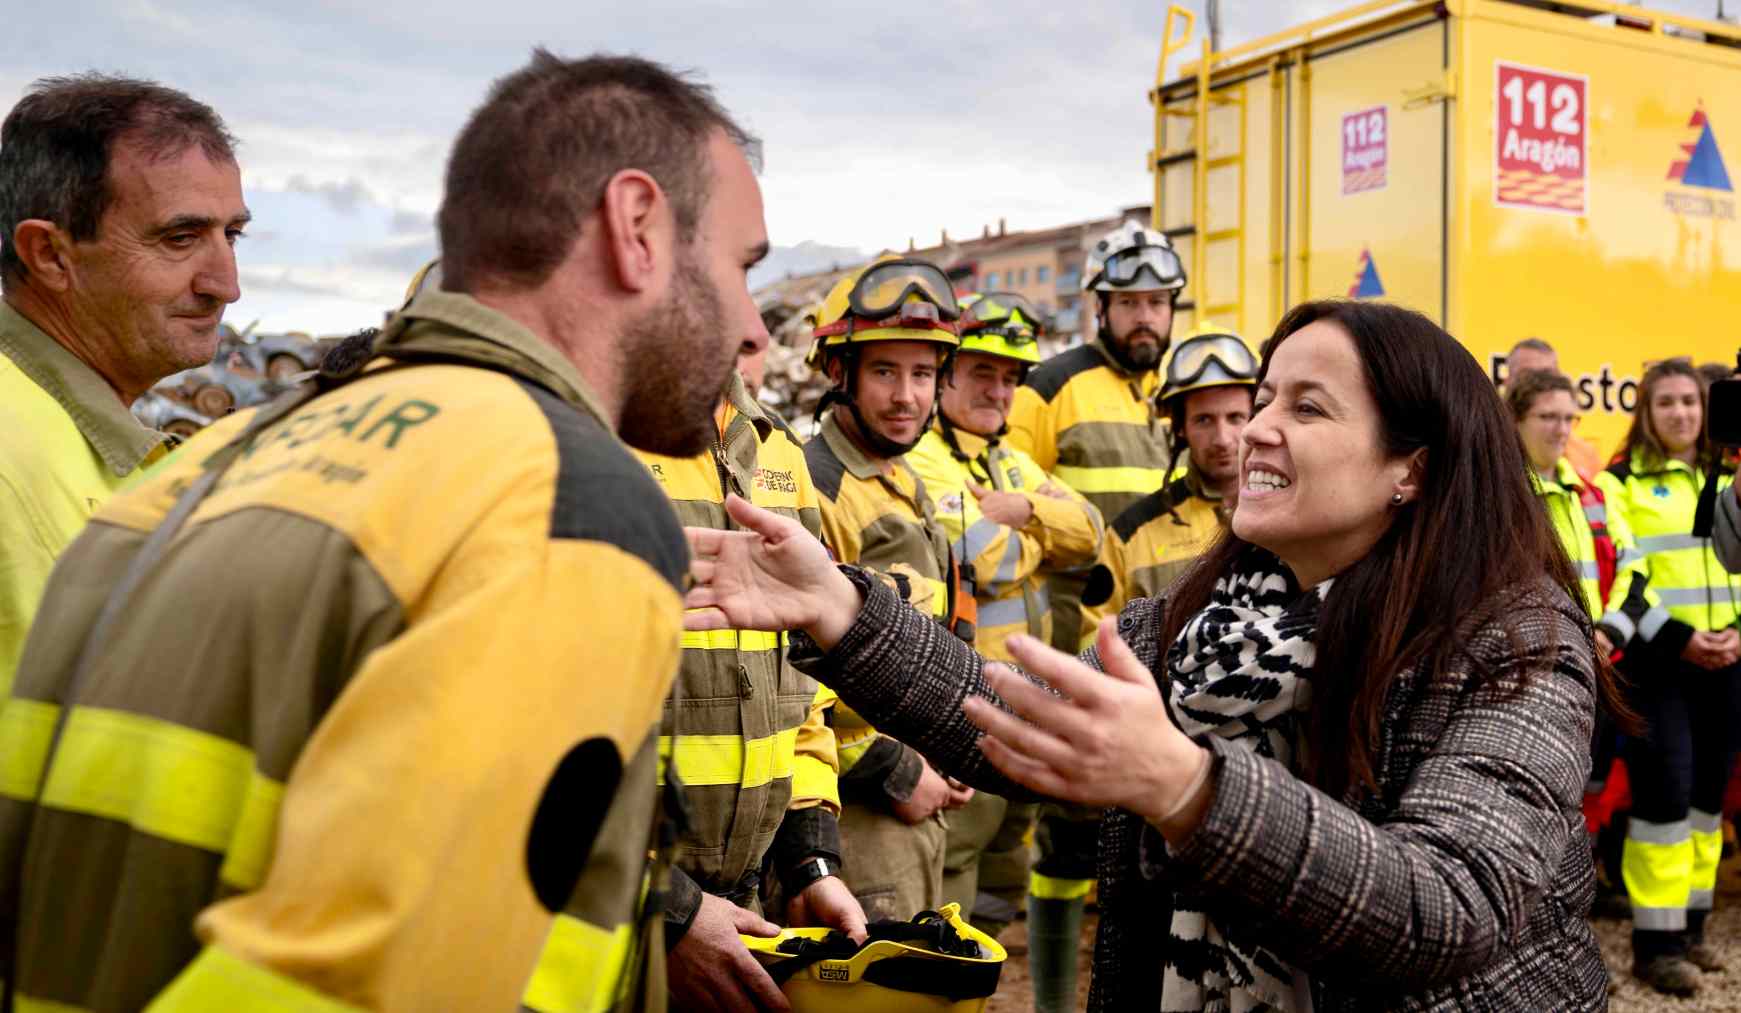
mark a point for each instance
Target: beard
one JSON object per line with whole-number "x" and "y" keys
{"x": 676, "y": 365}
{"x": 1143, "y": 355}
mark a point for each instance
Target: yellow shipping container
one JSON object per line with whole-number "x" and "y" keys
{"x": 1511, "y": 169}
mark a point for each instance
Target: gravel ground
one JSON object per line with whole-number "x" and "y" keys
{"x": 1717, "y": 992}
{"x": 1721, "y": 993}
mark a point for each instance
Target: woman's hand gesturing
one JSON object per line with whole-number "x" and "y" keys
{"x": 773, "y": 575}
{"x": 1106, "y": 741}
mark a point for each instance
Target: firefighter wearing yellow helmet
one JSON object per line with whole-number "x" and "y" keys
{"x": 883, "y": 334}
{"x": 1211, "y": 378}
{"x": 1009, "y": 522}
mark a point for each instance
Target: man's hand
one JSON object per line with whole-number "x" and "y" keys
{"x": 773, "y": 576}
{"x": 828, "y": 903}
{"x": 710, "y": 969}
{"x": 1011, "y": 509}
{"x": 932, "y": 793}
{"x": 1712, "y": 650}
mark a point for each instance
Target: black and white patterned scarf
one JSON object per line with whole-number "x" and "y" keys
{"x": 1240, "y": 669}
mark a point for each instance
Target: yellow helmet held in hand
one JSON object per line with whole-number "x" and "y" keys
{"x": 1209, "y": 356}
{"x": 891, "y": 299}
{"x": 936, "y": 963}
{"x": 1003, "y": 324}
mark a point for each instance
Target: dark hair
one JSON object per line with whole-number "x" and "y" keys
{"x": 57, "y": 142}
{"x": 1525, "y": 387}
{"x": 1475, "y": 544}
{"x": 1533, "y": 344}
{"x": 1175, "y": 409}
{"x": 534, "y": 160}
{"x": 1641, "y": 439}
{"x": 1711, "y": 372}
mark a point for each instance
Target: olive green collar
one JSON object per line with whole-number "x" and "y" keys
{"x": 118, "y": 438}
{"x": 491, "y": 338}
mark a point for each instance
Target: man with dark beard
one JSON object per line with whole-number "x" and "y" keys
{"x": 1088, "y": 417}
{"x": 354, "y": 699}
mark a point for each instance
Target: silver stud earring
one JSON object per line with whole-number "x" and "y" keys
{"x": 1396, "y": 499}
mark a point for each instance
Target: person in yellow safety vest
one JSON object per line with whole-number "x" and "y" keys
{"x": 1673, "y": 612}
{"x": 1211, "y": 378}
{"x": 1087, "y": 415}
{"x": 749, "y": 745}
{"x": 353, "y": 701}
{"x": 882, "y": 335}
{"x": 1008, "y": 521}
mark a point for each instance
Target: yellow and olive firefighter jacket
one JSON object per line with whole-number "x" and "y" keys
{"x": 742, "y": 727}
{"x": 379, "y": 729}
{"x": 1152, "y": 544}
{"x": 1576, "y": 523}
{"x": 1668, "y": 583}
{"x": 1006, "y": 563}
{"x": 1092, "y": 426}
{"x": 68, "y": 443}
{"x": 877, "y": 514}
{"x": 1095, "y": 427}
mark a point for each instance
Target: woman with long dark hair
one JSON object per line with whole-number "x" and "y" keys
{"x": 1673, "y": 610}
{"x": 1343, "y": 757}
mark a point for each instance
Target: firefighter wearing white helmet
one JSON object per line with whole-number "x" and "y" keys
{"x": 883, "y": 334}
{"x": 1088, "y": 417}
{"x": 1211, "y": 378}
{"x": 1009, "y": 522}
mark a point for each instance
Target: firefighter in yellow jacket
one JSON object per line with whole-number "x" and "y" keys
{"x": 746, "y": 735}
{"x": 882, "y": 335}
{"x": 1087, "y": 416}
{"x": 353, "y": 701}
{"x": 1211, "y": 378}
{"x": 1008, "y": 521}
{"x": 1672, "y": 610}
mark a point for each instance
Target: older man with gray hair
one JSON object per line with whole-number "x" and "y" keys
{"x": 120, "y": 206}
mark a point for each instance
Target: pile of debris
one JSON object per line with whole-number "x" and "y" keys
{"x": 247, "y": 370}
{"x": 789, "y": 386}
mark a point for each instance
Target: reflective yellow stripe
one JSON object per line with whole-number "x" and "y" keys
{"x": 580, "y": 969}
{"x": 734, "y": 640}
{"x": 26, "y": 1004}
{"x": 728, "y": 759}
{"x": 851, "y": 746}
{"x": 1657, "y": 866}
{"x": 1047, "y": 888}
{"x": 811, "y": 778}
{"x": 25, "y": 728}
{"x": 168, "y": 781}
{"x": 939, "y": 598}
{"x": 1707, "y": 836}
{"x": 217, "y": 982}
{"x": 1096, "y": 480}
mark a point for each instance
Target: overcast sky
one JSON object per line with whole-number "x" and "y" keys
{"x": 881, "y": 120}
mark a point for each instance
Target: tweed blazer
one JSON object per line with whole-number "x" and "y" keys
{"x": 1463, "y": 883}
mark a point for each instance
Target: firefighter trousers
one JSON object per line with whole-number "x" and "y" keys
{"x": 988, "y": 852}
{"x": 893, "y": 868}
{"x": 1679, "y": 769}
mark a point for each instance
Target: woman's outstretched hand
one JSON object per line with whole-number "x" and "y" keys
{"x": 774, "y": 575}
{"x": 1107, "y": 741}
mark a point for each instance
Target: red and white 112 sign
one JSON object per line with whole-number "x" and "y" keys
{"x": 1541, "y": 139}
{"x": 1365, "y": 149}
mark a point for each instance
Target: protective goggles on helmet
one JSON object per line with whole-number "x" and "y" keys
{"x": 1192, "y": 359}
{"x": 1126, "y": 267}
{"x": 885, "y": 287}
{"x": 1005, "y": 314}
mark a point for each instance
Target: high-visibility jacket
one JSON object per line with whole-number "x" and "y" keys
{"x": 740, "y": 727}
{"x": 69, "y": 442}
{"x": 1154, "y": 542}
{"x": 380, "y": 727}
{"x": 1092, "y": 426}
{"x": 876, "y": 513}
{"x": 1577, "y": 523}
{"x": 1065, "y": 531}
{"x": 1667, "y": 582}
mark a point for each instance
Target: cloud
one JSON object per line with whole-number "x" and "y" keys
{"x": 343, "y": 197}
